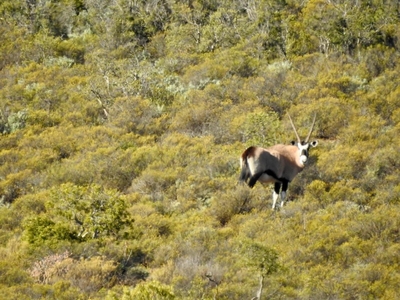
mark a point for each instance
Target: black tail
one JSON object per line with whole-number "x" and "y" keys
{"x": 245, "y": 172}
{"x": 245, "y": 175}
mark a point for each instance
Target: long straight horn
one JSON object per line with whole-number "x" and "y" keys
{"x": 312, "y": 127}
{"x": 294, "y": 128}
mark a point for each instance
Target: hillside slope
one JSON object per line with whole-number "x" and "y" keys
{"x": 122, "y": 123}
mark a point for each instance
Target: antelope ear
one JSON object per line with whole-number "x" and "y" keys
{"x": 314, "y": 143}
{"x": 292, "y": 143}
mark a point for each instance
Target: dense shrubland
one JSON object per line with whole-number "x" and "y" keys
{"x": 121, "y": 127}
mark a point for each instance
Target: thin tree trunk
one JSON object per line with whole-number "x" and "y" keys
{"x": 260, "y": 287}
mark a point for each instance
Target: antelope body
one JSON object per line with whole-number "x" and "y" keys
{"x": 278, "y": 164}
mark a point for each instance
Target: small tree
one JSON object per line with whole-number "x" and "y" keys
{"x": 262, "y": 129}
{"x": 92, "y": 211}
{"x": 149, "y": 290}
{"x": 79, "y": 213}
{"x": 263, "y": 260}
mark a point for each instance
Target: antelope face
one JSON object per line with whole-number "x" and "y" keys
{"x": 303, "y": 147}
{"x": 304, "y": 150}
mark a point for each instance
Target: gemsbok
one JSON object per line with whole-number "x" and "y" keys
{"x": 277, "y": 164}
